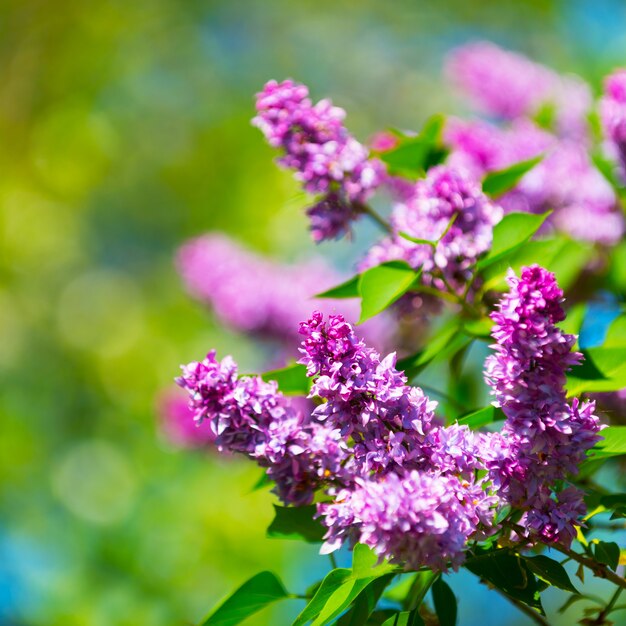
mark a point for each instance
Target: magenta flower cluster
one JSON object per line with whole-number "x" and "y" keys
{"x": 448, "y": 208}
{"x": 547, "y": 436}
{"x": 398, "y": 480}
{"x": 327, "y": 160}
{"x": 613, "y": 113}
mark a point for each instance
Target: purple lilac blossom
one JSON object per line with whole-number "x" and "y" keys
{"x": 327, "y": 160}
{"x": 446, "y": 194}
{"x": 253, "y": 294}
{"x": 415, "y": 519}
{"x": 548, "y": 437}
{"x": 565, "y": 181}
{"x": 613, "y": 114}
{"x": 508, "y": 85}
{"x": 250, "y": 416}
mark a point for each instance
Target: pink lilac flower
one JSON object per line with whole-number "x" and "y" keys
{"x": 416, "y": 519}
{"x": 613, "y": 113}
{"x": 548, "y": 437}
{"x": 447, "y": 197}
{"x": 565, "y": 181}
{"x": 253, "y": 294}
{"x": 250, "y": 416}
{"x": 327, "y": 160}
{"x": 511, "y": 86}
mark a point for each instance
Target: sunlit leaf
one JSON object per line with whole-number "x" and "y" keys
{"x": 550, "y": 571}
{"x": 498, "y": 183}
{"x": 296, "y": 522}
{"x": 254, "y": 595}
{"x": 347, "y": 289}
{"x": 292, "y": 380}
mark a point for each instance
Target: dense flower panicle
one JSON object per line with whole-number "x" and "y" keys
{"x": 363, "y": 392}
{"x": 613, "y": 113}
{"x": 253, "y": 294}
{"x": 548, "y": 437}
{"x": 447, "y": 199}
{"x": 326, "y": 158}
{"x": 250, "y": 416}
{"x": 177, "y": 422}
{"x": 565, "y": 181}
{"x": 415, "y": 519}
{"x": 510, "y": 86}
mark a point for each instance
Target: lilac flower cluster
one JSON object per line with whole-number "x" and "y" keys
{"x": 613, "y": 114}
{"x": 565, "y": 181}
{"x": 447, "y": 207}
{"x": 547, "y": 436}
{"x": 326, "y": 158}
{"x": 510, "y": 86}
{"x": 399, "y": 481}
{"x": 249, "y": 416}
{"x": 255, "y": 295}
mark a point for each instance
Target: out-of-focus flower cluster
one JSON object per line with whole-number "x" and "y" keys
{"x": 255, "y": 295}
{"x": 547, "y": 437}
{"x": 513, "y": 88}
{"x": 394, "y": 477}
{"x": 613, "y": 114}
{"x": 327, "y": 160}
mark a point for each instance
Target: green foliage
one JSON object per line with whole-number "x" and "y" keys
{"x": 255, "y": 594}
{"x": 551, "y": 572}
{"x": 482, "y": 417}
{"x": 342, "y": 586}
{"x": 382, "y": 285}
{"x": 510, "y": 234}
{"x": 292, "y": 380}
{"x": 496, "y": 184}
{"x": 445, "y": 603}
{"x": 405, "y": 618}
{"x": 607, "y": 552}
{"x": 415, "y": 154}
{"x": 296, "y": 522}
{"x": 509, "y": 573}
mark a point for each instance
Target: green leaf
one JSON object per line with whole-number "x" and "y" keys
{"x": 607, "y": 553}
{"x": 365, "y": 603}
{"x": 616, "y": 335}
{"x": 482, "y": 417}
{"x": 509, "y": 573}
{"x": 263, "y": 481}
{"x": 479, "y": 328}
{"x": 406, "y": 618}
{"x": 498, "y": 183}
{"x": 254, "y": 595}
{"x": 382, "y": 285}
{"x": 561, "y": 255}
{"x": 613, "y": 443}
{"x": 445, "y": 603}
{"x": 415, "y": 155}
{"x": 292, "y": 380}
{"x": 342, "y": 586}
{"x": 296, "y": 522}
{"x": 604, "y": 369}
{"x": 550, "y": 571}
{"x": 510, "y": 234}
{"x": 348, "y": 289}
{"x": 447, "y": 341}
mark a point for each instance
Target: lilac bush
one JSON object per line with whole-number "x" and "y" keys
{"x": 361, "y": 448}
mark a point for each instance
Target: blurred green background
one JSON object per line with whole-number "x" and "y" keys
{"x": 124, "y": 129}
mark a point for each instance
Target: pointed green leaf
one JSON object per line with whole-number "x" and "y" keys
{"x": 406, "y": 618}
{"x": 348, "y": 289}
{"x": 382, "y": 285}
{"x": 498, "y": 183}
{"x": 333, "y": 581}
{"x": 613, "y": 443}
{"x": 550, "y": 571}
{"x": 254, "y": 595}
{"x": 509, "y": 573}
{"x": 482, "y": 417}
{"x": 607, "y": 552}
{"x": 510, "y": 234}
{"x": 365, "y": 603}
{"x": 445, "y": 603}
{"x": 296, "y": 522}
{"x": 292, "y": 380}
